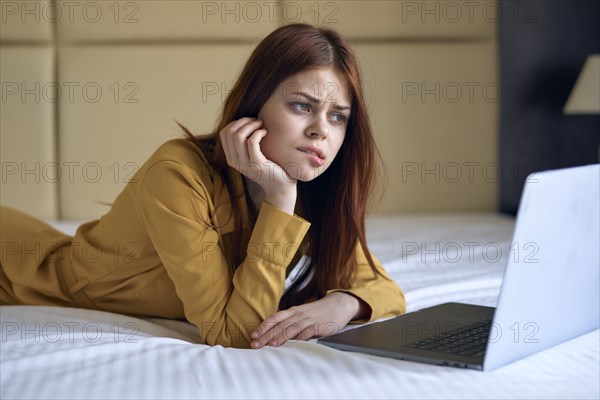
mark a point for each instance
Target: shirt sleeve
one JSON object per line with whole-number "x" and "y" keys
{"x": 381, "y": 293}
{"x": 174, "y": 209}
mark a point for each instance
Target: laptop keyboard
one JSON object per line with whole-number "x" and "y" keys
{"x": 470, "y": 340}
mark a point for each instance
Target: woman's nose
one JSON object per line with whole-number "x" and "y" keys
{"x": 318, "y": 128}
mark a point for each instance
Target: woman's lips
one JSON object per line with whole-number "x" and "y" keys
{"x": 314, "y": 159}
{"x": 313, "y": 150}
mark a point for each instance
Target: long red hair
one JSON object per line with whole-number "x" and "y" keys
{"x": 335, "y": 202}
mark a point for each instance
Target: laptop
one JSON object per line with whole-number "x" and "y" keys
{"x": 549, "y": 293}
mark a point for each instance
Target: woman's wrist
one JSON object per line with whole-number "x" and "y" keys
{"x": 284, "y": 201}
{"x": 357, "y": 308}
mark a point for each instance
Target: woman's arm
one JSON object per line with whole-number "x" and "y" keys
{"x": 174, "y": 208}
{"x": 381, "y": 294}
{"x": 370, "y": 297}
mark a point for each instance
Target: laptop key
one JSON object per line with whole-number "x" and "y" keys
{"x": 466, "y": 341}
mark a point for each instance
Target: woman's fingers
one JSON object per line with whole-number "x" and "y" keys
{"x": 225, "y": 143}
{"x": 299, "y": 330}
{"x": 234, "y": 139}
{"x": 271, "y": 328}
{"x": 226, "y": 140}
{"x": 241, "y": 144}
{"x": 235, "y": 125}
{"x": 271, "y": 322}
{"x": 255, "y": 155}
{"x": 308, "y": 333}
{"x": 283, "y": 326}
{"x": 280, "y": 333}
{"x": 319, "y": 318}
{"x": 240, "y": 140}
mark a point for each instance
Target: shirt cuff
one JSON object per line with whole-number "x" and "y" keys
{"x": 276, "y": 235}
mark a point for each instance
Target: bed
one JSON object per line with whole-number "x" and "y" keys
{"x": 69, "y": 353}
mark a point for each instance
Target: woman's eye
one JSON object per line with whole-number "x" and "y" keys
{"x": 340, "y": 118}
{"x": 301, "y": 106}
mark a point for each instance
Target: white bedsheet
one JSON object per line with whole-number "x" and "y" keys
{"x": 57, "y": 352}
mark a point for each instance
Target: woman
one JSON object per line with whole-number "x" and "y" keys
{"x": 210, "y": 227}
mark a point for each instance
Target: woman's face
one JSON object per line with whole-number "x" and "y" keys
{"x": 306, "y": 119}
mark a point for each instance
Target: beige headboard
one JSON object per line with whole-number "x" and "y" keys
{"x": 91, "y": 88}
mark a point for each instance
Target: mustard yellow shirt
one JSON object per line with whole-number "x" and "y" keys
{"x": 155, "y": 252}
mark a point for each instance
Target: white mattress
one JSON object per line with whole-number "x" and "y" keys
{"x": 57, "y": 352}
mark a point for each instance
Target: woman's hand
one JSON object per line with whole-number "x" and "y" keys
{"x": 241, "y": 144}
{"x": 323, "y": 317}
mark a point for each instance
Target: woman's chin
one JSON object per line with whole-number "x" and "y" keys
{"x": 307, "y": 179}
{"x": 311, "y": 174}
{"x": 304, "y": 172}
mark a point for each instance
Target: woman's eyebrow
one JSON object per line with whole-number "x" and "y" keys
{"x": 315, "y": 100}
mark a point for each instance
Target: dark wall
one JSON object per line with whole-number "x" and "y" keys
{"x": 543, "y": 46}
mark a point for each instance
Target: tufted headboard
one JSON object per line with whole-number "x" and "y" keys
{"x": 91, "y": 88}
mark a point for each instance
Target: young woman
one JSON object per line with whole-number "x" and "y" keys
{"x": 210, "y": 227}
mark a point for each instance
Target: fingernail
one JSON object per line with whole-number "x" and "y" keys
{"x": 254, "y": 335}
{"x": 254, "y": 344}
